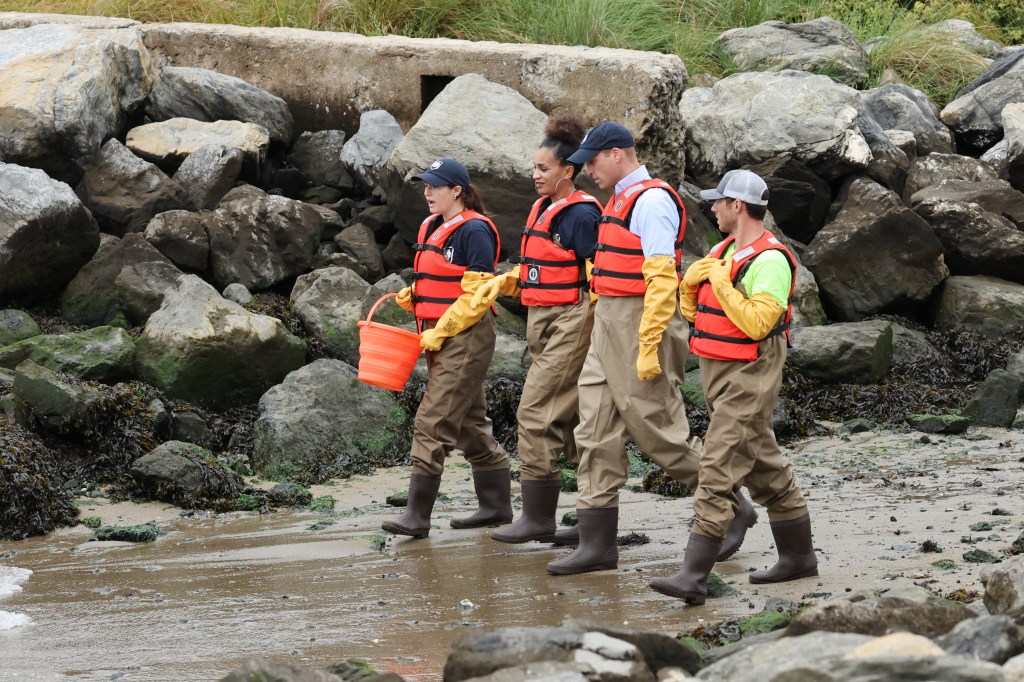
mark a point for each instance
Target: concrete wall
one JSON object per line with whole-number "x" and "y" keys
{"x": 328, "y": 79}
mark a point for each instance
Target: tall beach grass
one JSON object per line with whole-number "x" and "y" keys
{"x": 903, "y": 51}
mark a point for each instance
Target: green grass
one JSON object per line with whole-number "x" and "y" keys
{"x": 684, "y": 27}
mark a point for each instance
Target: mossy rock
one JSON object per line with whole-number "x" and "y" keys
{"x": 399, "y": 499}
{"x": 144, "y": 532}
{"x": 324, "y": 503}
{"x": 570, "y": 518}
{"x": 187, "y": 475}
{"x": 938, "y": 423}
{"x": 980, "y": 556}
{"x": 93, "y": 522}
{"x": 569, "y": 482}
{"x": 764, "y": 622}
{"x": 719, "y": 588}
{"x": 981, "y": 526}
{"x": 693, "y": 390}
{"x": 660, "y": 483}
{"x": 290, "y": 494}
{"x": 246, "y": 502}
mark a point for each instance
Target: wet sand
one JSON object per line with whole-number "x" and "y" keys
{"x": 218, "y": 590}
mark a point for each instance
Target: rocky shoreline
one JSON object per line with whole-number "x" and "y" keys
{"x": 182, "y": 271}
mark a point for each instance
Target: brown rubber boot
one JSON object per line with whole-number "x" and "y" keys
{"x": 745, "y": 518}
{"x": 796, "y": 552}
{"x": 570, "y": 537}
{"x": 598, "y": 550}
{"x": 494, "y": 496}
{"x": 416, "y": 519}
{"x": 690, "y": 583}
{"x": 540, "y": 499}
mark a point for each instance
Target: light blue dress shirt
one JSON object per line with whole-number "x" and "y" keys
{"x": 655, "y": 216}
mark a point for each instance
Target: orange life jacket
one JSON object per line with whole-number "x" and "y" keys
{"x": 619, "y": 260}
{"x": 438, "y": 281}
{"x": 713, "y": 334}
{"x": 550, "y": 274}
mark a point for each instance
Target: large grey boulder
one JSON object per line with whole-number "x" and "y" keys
{"x": 199, "y": 346}
{"x": 180, "y": 236}
{"x": 321, "y": 421}
{"x": 1015, "y": 365}
{"x": 889, "y": 163}
{"x": 994, "y": 196}
{"x": 995, "y": 401}
{"x": 976, "y": 115}
{"x": 748, "y": 118}
{"x": 185, "y": 474}
{"x": 926, "y": 171}
{"x": 92, "y": 297}
{"x": 876, "y": 612}
{"x": 100, "y": 354}
{"x": 800, "y": 200}
{"x": 974, "y": 240}
{"x": 807, "y": 310}
{"x": 987, "y": 304}
{"x": 965, "y": 33}
{"x": 358, "y": 241}
{"x": 124, "y": 192}
{"x": 1004, "y": 589}
{"x": 46, "y": 234}
{"x": 988, "y": 638}
{"x": 203, "y": 95}
{"x": 170, "y": 142}
{"x": 58, "y": 404}
{"x": 140, "y": 288}
{"x": 317, "y": 155}
{"x": 486, "y": 655}
{"x": 64, "y": 90}
{"x": 260, "y": 240}
{"x": 16, "y": 325}
{"x": 875, "y": 254}
{"x": 821, "y": 45}
{"x": 900, "y": 107}
{"x": 780, "y": 659}
{"x": 495, "y": 140}
{"x": 365, "y": 154}
{"x": 851, "y": 352}
{"x": 330, "y": 303}
{"x": 209, "y": 173}
{"x": 1013, "y": 130}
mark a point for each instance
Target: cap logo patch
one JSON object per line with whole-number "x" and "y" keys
{"x": 436, "y": 165}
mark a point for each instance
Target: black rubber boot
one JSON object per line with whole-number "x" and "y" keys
{"x": 745, "y": 518}
{"x": 570, "y": 537}
{"x": 690, "y": 583}
{"x": 598, "y": 550}
{"x": 796, "y": 552}
{"x": 537, "y": 523}
{"x": 494, "y": 496}
{"x": 416, "y": 519}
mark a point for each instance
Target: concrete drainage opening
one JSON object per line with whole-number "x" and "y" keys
{"x": 431, "y": 87}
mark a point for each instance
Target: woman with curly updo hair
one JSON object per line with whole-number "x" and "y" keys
{"x": 556, "y": 253}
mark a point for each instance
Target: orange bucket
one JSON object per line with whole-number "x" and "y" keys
{"x": 387, "y": 354}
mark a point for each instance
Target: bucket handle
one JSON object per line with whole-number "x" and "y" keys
{"x": 379, "y": 301}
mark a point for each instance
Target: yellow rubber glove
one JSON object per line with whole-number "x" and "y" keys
{"x": 698, "y": 272}
{"x": 755, "y": 316}
{"x": 506, "y": 285}
{"x": 660, "y": 304}
{"x": 589, "y": 266}
{"x": 688, "y": 302}
{"x": 461, "y": 315}
{"x": 405, "y": 298}
{"x": 720, "y": 273}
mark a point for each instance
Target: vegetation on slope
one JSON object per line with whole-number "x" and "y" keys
{"x": 684, "y": 27}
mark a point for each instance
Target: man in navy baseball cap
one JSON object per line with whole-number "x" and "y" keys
{"x": 445, "y": 172}
{"x": 607, "y": 135}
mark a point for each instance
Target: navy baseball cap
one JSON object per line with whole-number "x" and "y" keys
{"x": 445, "y": 172}
{"x": 607, "y": 135}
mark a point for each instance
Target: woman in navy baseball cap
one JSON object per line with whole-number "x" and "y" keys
{"x": 456, "y": 252}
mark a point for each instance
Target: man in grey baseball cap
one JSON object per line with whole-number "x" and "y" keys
{"x": 741, "y": 184}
